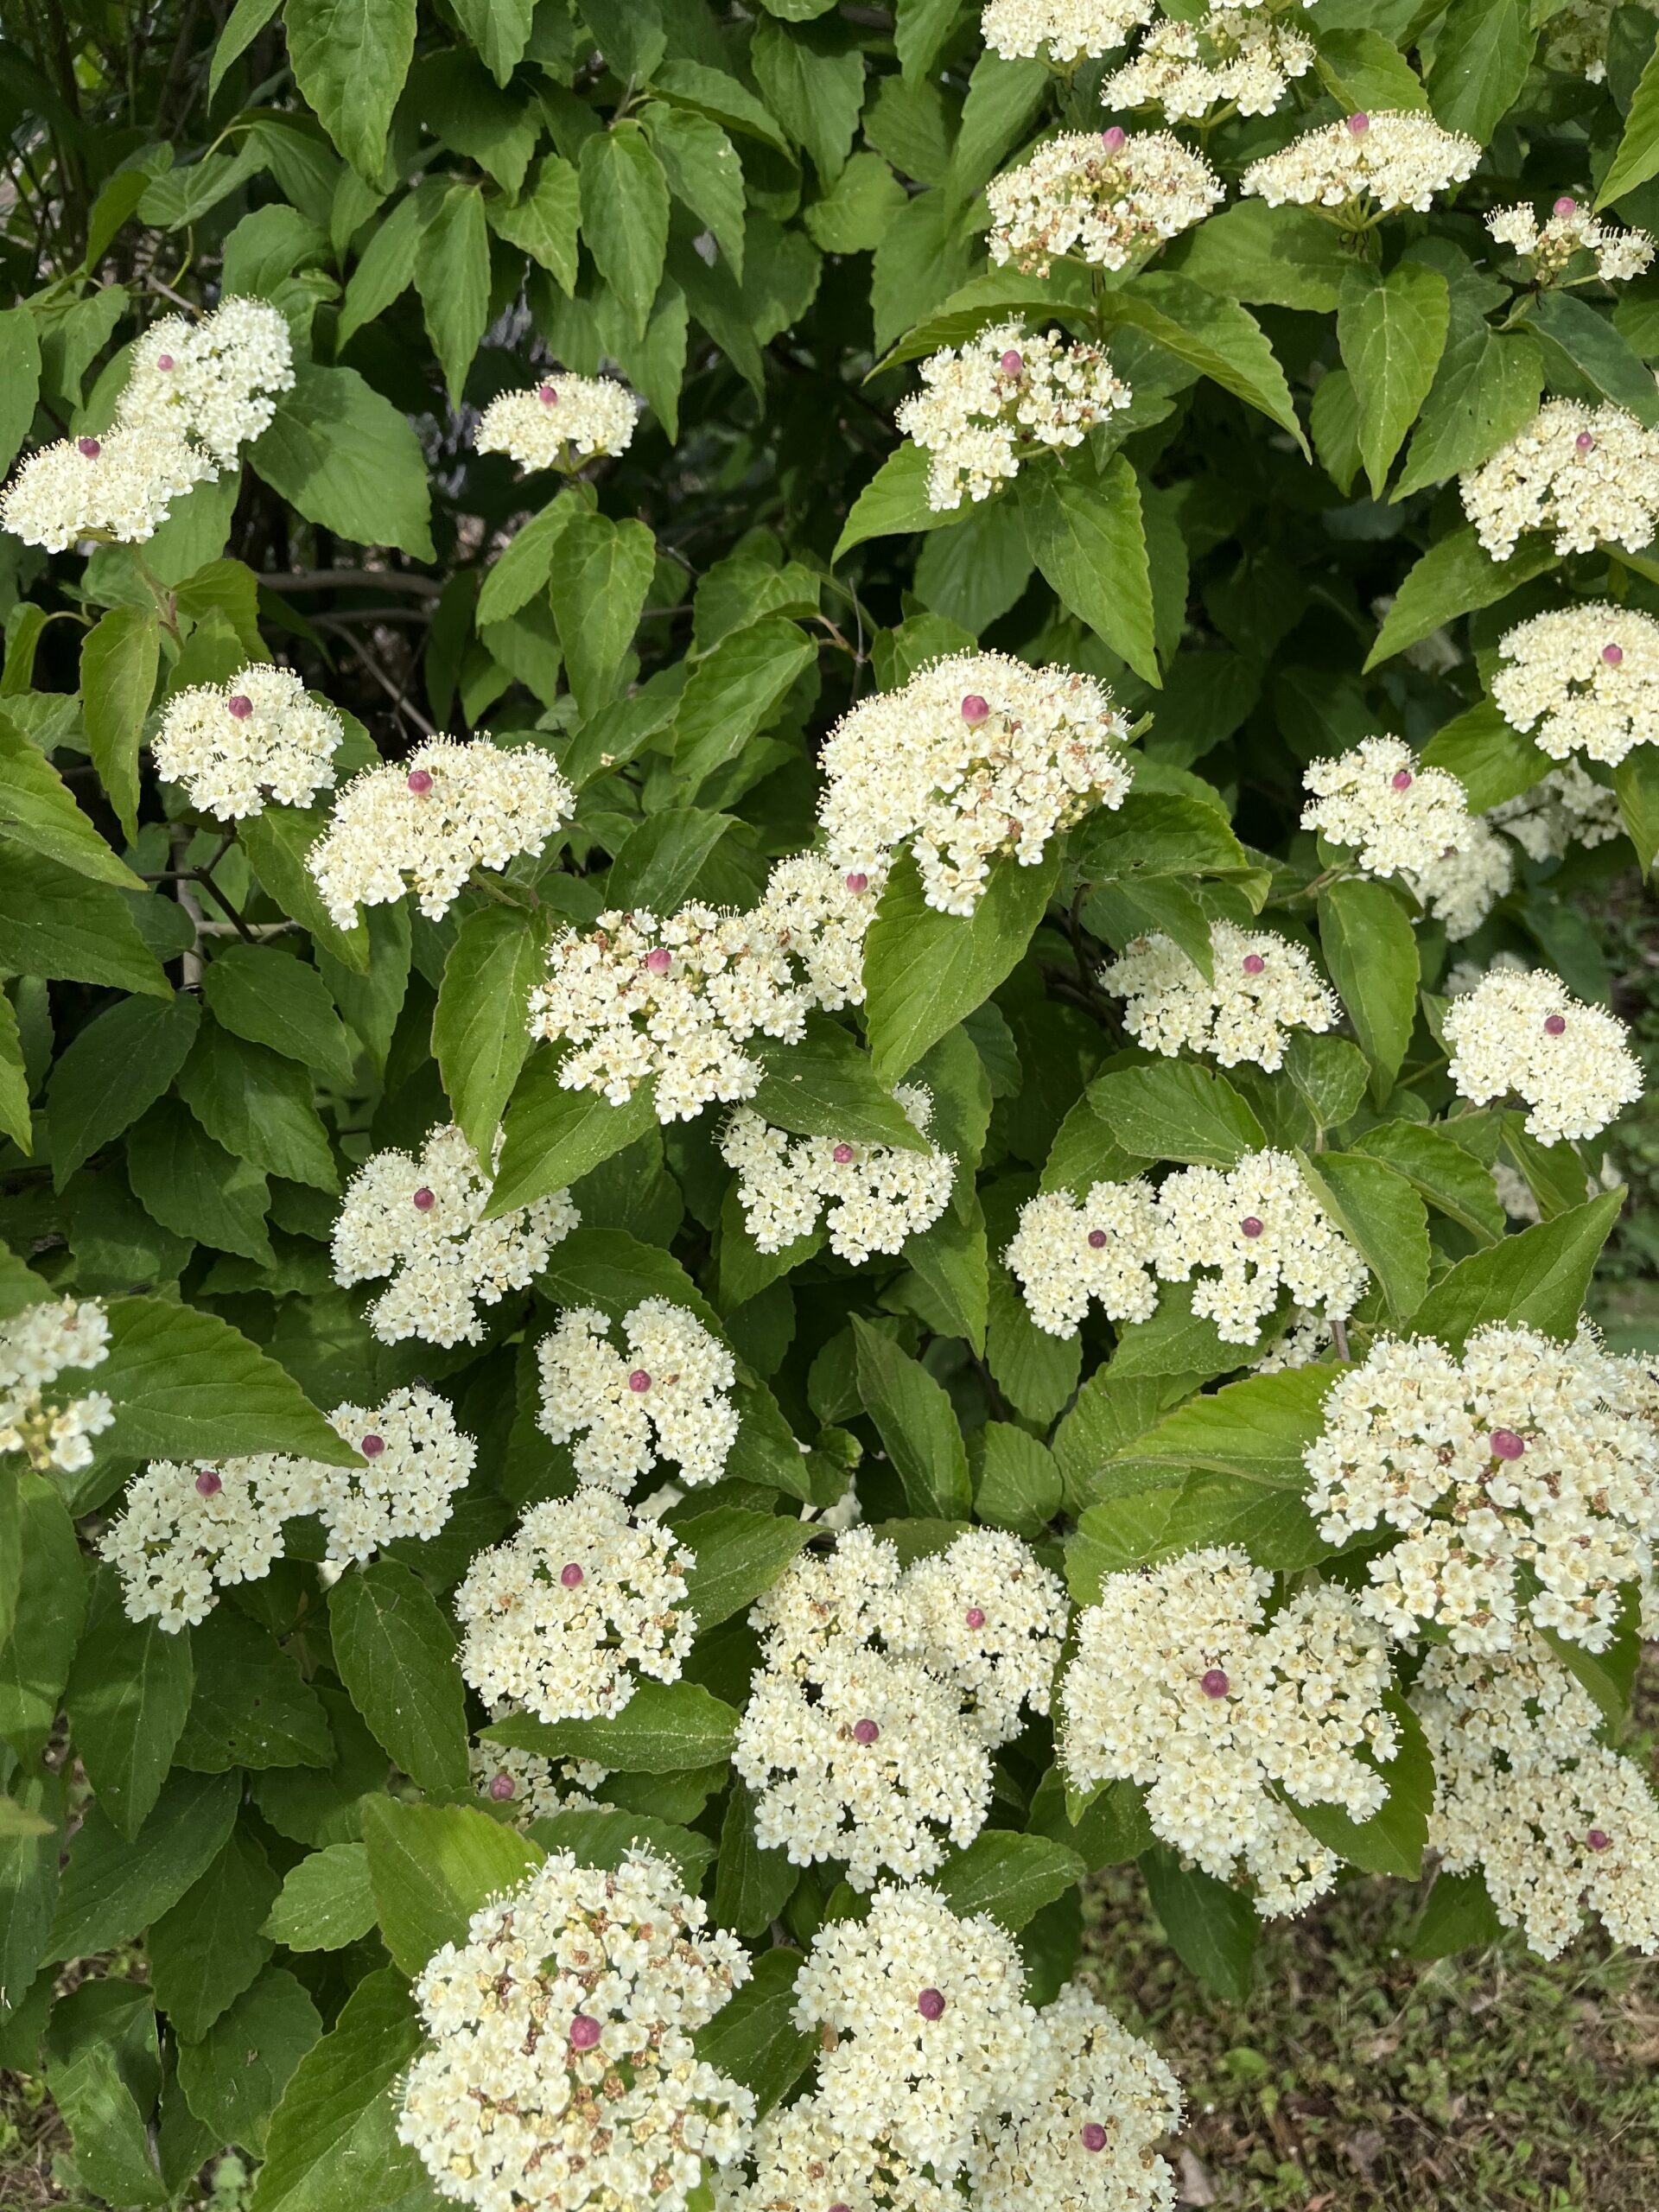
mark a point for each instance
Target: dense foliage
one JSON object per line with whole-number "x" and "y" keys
{"x": 803, "y": 1110}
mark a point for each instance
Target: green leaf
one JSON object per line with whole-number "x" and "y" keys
{"x": 1455, "y": 577}
{"x": 233, "y": 2079}
{"x": 395, "y": 1654}
{"x": 1482, "y": 52}
{"x": 258, "y": 1106}
{"x": 1017, "y": 1485}
{"x": 498, "y": 31}
{"x": 387, "y": 267}
{"x": 208, "y": 1948}
{"x": 814, "y": 84}
{"x": 754, "y": 2036}
{"x": 38, "y": 810}
{"x": 1451, "y": 1180}
{"x": 854, "y": 215}
{"x": 715, "y": 92}
{"x": 452, "y": 274}
{"x": 350, "y": 59}
{"x": 117, "y": 675}
{"x": 111, "y": 1072}
{"x": 704, "y": 172}
{"x": 1392, "y": 332}
{"x": 735, "y": 691}
{"x": 128, "y": 1694}
{"x": 266, "y": 997}
{"x": 923, "y": 971}
{"x": 29, "y": 1890}
{"x": 1580, "y": 346}
{"x": 1275, "y": 257}
{"x": 913, "y": 1417}
{"x": 546, "y": 219}
{"x": 327, "y": 1900}
{"x": 432, "y": 1866}
{"x": 1535, "y": 1280}
{"x": 521, "y": 569}
{"x": 479, "y": 1037}
{"x": 625, "y": 215}
{"x": 660, "y": 862}
{"x": 894, "y": 502}
{"x": 1393, "y": 1841}
{"x": 56, "y": 922}
{"x": 193, "y": 1187}
{"x": 600, "y": 573}
{"x": 1211, "y": 1927}
{"x": 101, "y": 2060}
{"x": 1371, "y": 951}
{"x": 332, "y": 2141}
{"x": 1090, "y": 542}
{"x": 112, "y": 1888}
{"x": 187, "y": 1386}
{"x": 1382, "y": 1217}
{"x": 1489, "y": 758}
{"x": 738, "y": 1556}
{"x": 751, "y": 1886}
{"x": 252, "y": 1708}
{"x": 952, "y": 1267}
{"x": 1364, "y": 69}
{"x": 664, "y": 1728}
{"x": 50, "y": 1611}
{"x": 605, "y": 1839}
{"x": 277, "y": 842}
{"x": 1141, "y": 1527}
{"x": 824, "y": 1086}
{"x": 1009, "y": 1877}
{"x": 16, "y": 1119}
{"x": 1635, "y": 779}
{"x": 1219, "y": 339}
{"x": 1154, "y": 834}
{"x": 1172, "y": 1111}
{"x": 342, "y": 454}
{"x": 1258, "y": 1428}
{"x": 1637, "y": 157}
{"x": 555, "y": 1136}
{"x": 1459, "y": 1915}
{"x": 1485, "y": 391}
{"x": 20, "y": 379}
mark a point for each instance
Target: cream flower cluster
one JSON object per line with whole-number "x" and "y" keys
{"x": 1397, "y": 158}
{"x": 1183, "y": 1684}
{"x": 118, "y": 487}
{"x": 1066, "y": 30}
{"x": 216, "y": 381}
{"x": 876, "y": 1195}
{"x": 987, "y": 406}
{"x": 1231, "y": 58}
{"x": 1461, "y": 888}
{"x": 422, "y": 1222}
{"x": 985, "y": 1616}
{"x": 1583, "y": 679}
{"x": 1589, "y": 473}
{"x": 187, "y": 1532}
{"x": 1570, "y": 229}
{"x": 977, "y": 756}
{"x": 1526, "y": 1035}
{"x": 560, "y": 423}
{"x": 424, "y": 824}
{"x": 562, "y": 1619}
{"x": 1263, "y": 988}
{"x": 1524, "y": 1463}
{"x": 1567, "y": 808}
{"x": 560, "y": 2069}
{"x": 259, "y": 735}
{"x": 816, "y": 913}
{"x": 37, "y": 1346}
{"x": 1065, "y": 1252}
{"x": 1262, "y": 1230}
{"x": 1392, "y": 812}
{"x": 1106, "y": 199}
{"x": 667, "y": 1397}
{"x": 534, "y": 1786}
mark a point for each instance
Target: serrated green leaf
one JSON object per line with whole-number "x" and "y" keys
{"x": 395, "y": 1652}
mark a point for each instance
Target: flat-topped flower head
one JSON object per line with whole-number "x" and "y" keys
{"x": 1393, "y": 813}
{"x": 1184, "y": 1684}
{"x": 1261, "y": 989}
{"x": 812, "y": 922}
{"x": 1461, "y": 888}
{"x": 421, "y": 1221}
{"x": 825, "y": 1599}
{"x": 1234, "y": 58}
{"x": 117, "y": 488}
{"x": 1108, "y": 198}
{"x": 216, "y": 381}
{"x": 560, "y": 421}
{"x": 1525, "y": 1035}
{"x": 664, "y": 1396}
{"x": 1060, "y": 30}
{"x": 569, "y": 1648}
{"x": 1571, "y": 228}
{"x": 560, "y": 2070}
{"x": 423, "y": 825}
{"x": 803, "y": 2161}
{"x": 1590, "y": 474}
{"x": 1066, "y": 1251}
{"x": 186, "y": 1532}
{"x": 259, "y": 735}
{"x": 976, "y": 757}
{"x": 871, "y": 1198}
{"x": 1263, "y": 1232}
{"x": 416, "y": 1460}
{"x": 52, "y": 1429}
{"x": 1006, "y": 394}
{"x": 1391, "y": 159}
{"x": 986, "y": 1616}
{"x": 1523, "y": 1479}
{"x": 533, "y": 1787}
{"x": 1583, "y": 679}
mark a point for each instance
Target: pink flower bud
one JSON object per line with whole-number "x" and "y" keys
{"x": 1112, "y": 137}
{"x": 1584, "y": 441}
{"x": 1097, "y": 1240}
{"x": 857, "y": 882}
{"x": 1613, "y": 655}
{"x": 841, "y": 1154}
{"x": 1401, "y": 779}
{"x": 572, "y": 1576}
{"x": 208, "y": 1485}
{"x": 240, "y": 705}
{"x": 1359, "y": 122}
{"x": 1555, "y": 1025}
{"x": 1013, "y": 363}
{"x": 1250, "y": 1225}
{"x": 419, "y": 782}
{"x": 974, "y": 709}
{"x": 639, "y": 1382}
{"x": 548, "y": 397}
{"x": 1506, "y": 1445}
{"x": 1566, "y": 205}
{"x": 89, "y": 446}
{"x": 1254, "y": 963}
{"x": 1214, "y": 1682}
{"x": 1094, "y": 2135}
{"x": 372, "y": 1446}
{"x": 975, "y": 1617}
{"x": 1598, "y": 1840}
{"x": 501, "y": 1788}
{"x": 659, "y": 960}
{"x": 865, "y": 1731}
{"x": 425, "y": 1199}
{"x": 584, "y": 2032}
{"x": 163, "y": 360}
{"x": 931, "y": 2004}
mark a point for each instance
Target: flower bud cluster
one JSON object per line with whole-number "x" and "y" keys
{"x": 536, "y": 1786}
{"x": 1523, "y": 1035}
{"x": 1393, "y": 159}
{"x": 38, "y": 1345}
{"x": 1065, "y": 1251}
{"x": 1107, "y": 198}
{"x": 560, "y": 423}
{"x": 991, "y": 405}
{"x": 259, "y": 735}
{"x": 1589, "y": 473}
{"x": 872, "y": 1196}
{"x": 1261, "y": 986}
{"x": 1461, "y": 888}
{"x": 666, "y": 1398}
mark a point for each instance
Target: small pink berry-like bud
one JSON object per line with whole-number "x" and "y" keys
{"x": 1359, "y": 122}
{"x": 1555, "y": 1025}
{"x": 1250, "y": 1225}
{"x": 501, "y": 1788}
{"x": 1566, "y": 205}
{"x": 1112, "y": 138}
{"x": 419, "y": 782}
{"x": 425, "y": 1199}
{"x": 865, "y": 1731}
{"x": 840, "y": 2208}
{"x": 1254, "y": 963}
{"x": 548, "y": 396}
{"x": 1013, "y": 363}
{"x": 1094, "y": 2135}
{"x": 841, "y": 1154}
{"x": 239, "y": 704}
{"x": 372, "y": 1446}
{"x": 975, "y": 1617}
{"x": 856, "y": 882}
{"x": 1584, "y": 441}
{"x": 1214, "y": 1682}
{"x": 1613, "y": 655}
{"x": 931, "y": 2004}
{"x": 1097, "y": 1240}
{"x": 1506, "y": 1445}
{"x": 89, "y": 447}
{"x": 1598, "y": 1840}
{"x": 163, "y": 360}
{"x": 974, "y": 709}
{"x": 584, "y": 2032}
{"x": 572, "y": 1576}
{"x": 659, "y": 960}
{"x": 208, "y": 1485}
{"x": 1401, "y": 779}
{"x": 639, "y": 1382}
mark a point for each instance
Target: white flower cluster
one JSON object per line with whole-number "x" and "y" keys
{"x": 1069, "y": 31}
{"x": 1525, "y": 1462}
{"x": 562, "y": 1618}
{"x": 668, "y": 1397}
{"x": 119, "y": 486}
{"x": 1555, "y": 1821}
{"x": 876, "y": 1195}
{"x": 977, "y": 756}
{"x": 991, "y": 405}
{"x": 1589, "y": 473}
{"x": 187, "y": 1532}
{"x": 1525, "y": 1034}
{"x": 1230, "y": 58}
{"x": 1108, "y": 200}
{"x": 867, "y": 1734}
{"x": 677, "y": 999}
{"x": 38, "y": 1345}
{"x": 1570, "y": 229}
{"x": 1461, "y": 888}
{"x": 1263, "y": 988}
{"x": 258, "y": 735}
{"x": 1582, "y": 679}
{"x": 536, "y": 1786}
{"x": 1182, "y": 1683}
{"x": 561, "y": 2070}
{"x": 1567, "y": 808}
{"x": 561, "y": 423}
{"x": 1065, "y": 1252}
{"x": 422, "y": 1222}
{"x": 1397, "y": 158}
{"x": 1262, "y": 1230}
{"x": 1395, "y": 814}
{"x": 424, "y": 823}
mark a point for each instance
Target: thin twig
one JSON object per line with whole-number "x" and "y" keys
{"x": 347, "y": 579}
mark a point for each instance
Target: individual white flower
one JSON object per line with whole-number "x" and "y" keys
{"x": 876, "y": 1195}
{"x": 927, "y": 2023}
{"x": 415, "y": 1460}
{"x": 119, "y": 487}
{"x": 824, "y": 1600}
{"x": 976, "y": 757}
{"x": 1066, "y": 1251}
{"x": 1395, "y": 158}
{"x": 258, "y": 735}
{"x": 562, "y": 1618}
{"x": 1589, "y": 473}
{"x": 1568, "y": 230}
{"x": 1108, "y": 199}
{"x": 1183, "y": 1683}
{"x": 986, "y": 1616}
{"x": 1461, "y": 888}
{"x": 1003, "y": 397}
{"x": 1556, "y": 1822}
{"x": 422, "y": 1222}
{"x": 668, "y": 1396}
{"x": 45, "y": 1341}
{"x": 1582, "y": 679}
{"x": 560, "y": 423}
{"x": 805, "y": 2162}
{"x": 1378, "y": 799}
{"x": 1063, "y": 31}
{"x": 1527, "y": 1035}
{"x": 187, "y": 1532}
{"x": 426, "y": 823}
{"x": 1524, "y": 1466}
{"x": 1567, "y": 807}
{"x": 216, "y": 381}
{"x": 1229, "y": 59}
{"x": 1262, "y": 1230}
{"x": 560, "y": 2069}
{"x": 536, "y": 1786}
{"x": 1262, "y": 986}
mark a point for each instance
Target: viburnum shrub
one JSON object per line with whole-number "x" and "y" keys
{"x": 805, "y": 1106}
